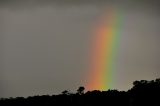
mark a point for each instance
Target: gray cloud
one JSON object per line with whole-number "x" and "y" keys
{"x": 33, "y": 3}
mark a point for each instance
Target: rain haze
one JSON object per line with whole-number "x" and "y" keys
{"x": 45, "y": 44}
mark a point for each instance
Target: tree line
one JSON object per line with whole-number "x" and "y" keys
{"x": 143, "y": 93}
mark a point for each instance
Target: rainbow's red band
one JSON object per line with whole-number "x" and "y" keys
{"x": 104, "y": 52}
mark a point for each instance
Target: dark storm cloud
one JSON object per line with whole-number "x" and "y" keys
{"x": 47, "y": 2}
{"x": 44, "y": 2}
{"x": 1, "y": 53}
{"x": 126, "y": 4}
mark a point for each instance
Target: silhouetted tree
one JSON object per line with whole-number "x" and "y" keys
{"x": 80, "y": 90}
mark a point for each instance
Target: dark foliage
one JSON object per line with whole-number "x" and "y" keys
{"x": 143, "y": 93}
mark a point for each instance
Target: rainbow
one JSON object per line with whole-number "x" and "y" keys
{"x": 104, "y": 51}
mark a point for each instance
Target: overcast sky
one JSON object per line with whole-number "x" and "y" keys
{"x": 45, "y": 44}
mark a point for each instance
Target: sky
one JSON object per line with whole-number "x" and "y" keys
{"x": 45, "y": 44}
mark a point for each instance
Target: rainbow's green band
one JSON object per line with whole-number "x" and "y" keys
{"x": 105, "y": 49}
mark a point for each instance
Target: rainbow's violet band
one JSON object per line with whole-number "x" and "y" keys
{"x": 104, "y": 52}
